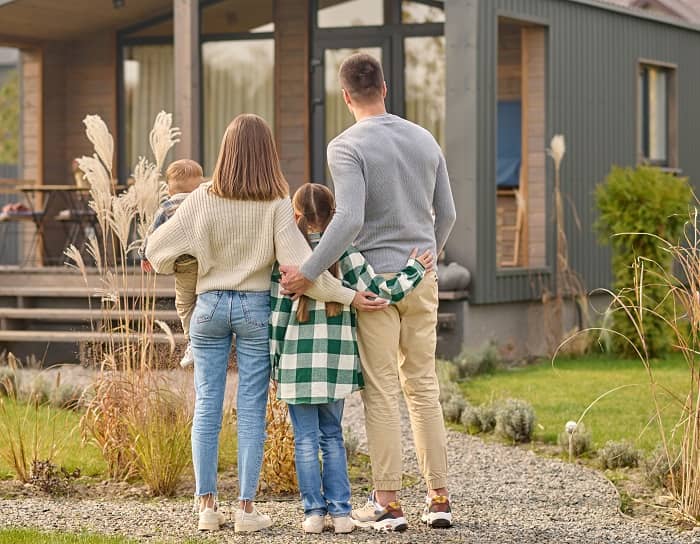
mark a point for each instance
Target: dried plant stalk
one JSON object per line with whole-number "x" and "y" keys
{"x": 278, "y": 473}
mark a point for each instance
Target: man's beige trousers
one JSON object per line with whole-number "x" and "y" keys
{"x": 397, "y": 347}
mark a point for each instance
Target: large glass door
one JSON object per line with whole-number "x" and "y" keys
{"x": 330, "y": 114}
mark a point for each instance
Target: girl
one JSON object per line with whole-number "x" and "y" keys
{"x": 316, "y": 363}
{"x": 236, "y": 227}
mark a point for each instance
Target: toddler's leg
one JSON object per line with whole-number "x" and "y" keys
{"x": 336, "y": 484}
{"x": 185, "y": 293}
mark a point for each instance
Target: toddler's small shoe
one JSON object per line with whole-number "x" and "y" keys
{"x": 187, "y": 358}
{"x": 343, "y": 524}
{"x": 314, "y": 524}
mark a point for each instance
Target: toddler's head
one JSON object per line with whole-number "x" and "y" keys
{"x": 183, "y": 176}
{"x": 314, "y": 206}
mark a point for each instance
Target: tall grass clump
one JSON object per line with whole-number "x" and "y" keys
{"x": 125, "y": 350}
{"x": 159, "y": 428}
{"x": 657, "y": 307}
{"x": 639, "y": 208}
{"x": 278, "y": 473}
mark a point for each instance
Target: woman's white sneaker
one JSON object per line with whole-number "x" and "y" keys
{"x": 248, "y": 522}
{"x": 210, "y": 519}
{"x": 314, "y": 524}
{"x": 343, "y": 524}
{"x": 187, "y": 358}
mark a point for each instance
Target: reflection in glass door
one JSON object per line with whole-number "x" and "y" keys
{"x": 331, "y": 115}
{"x": 336, "y": 113}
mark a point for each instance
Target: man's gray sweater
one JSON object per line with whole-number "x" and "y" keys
{"x": 389, "y": 176}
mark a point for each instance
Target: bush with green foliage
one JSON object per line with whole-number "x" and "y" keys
{"x": 580, "y": 440}
{"x": 482, "y": 361}
{"x": 620, "y": 454}
{"x": 636, "y": 206}
{"x": 657, "y": 467}
{"x": 515, "y": 420}
{"x": 479, "y": 419}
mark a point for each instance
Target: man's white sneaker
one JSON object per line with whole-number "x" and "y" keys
{"x": 343, "y": 524}
{"x": 438, "y": 512}
{"x": 314, "y": 524}
{"x": 187, "y": 358}
{"x": 210, "y": 519}
{"x": 248, "y": 522}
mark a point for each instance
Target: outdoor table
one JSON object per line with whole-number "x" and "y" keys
{"x": 75, "y": 214}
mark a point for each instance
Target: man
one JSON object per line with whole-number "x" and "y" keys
{"x": 390, "y": 178}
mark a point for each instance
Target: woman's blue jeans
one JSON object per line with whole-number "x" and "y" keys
{"x": 217, "y": 317}
{"x": 319, "y": 426}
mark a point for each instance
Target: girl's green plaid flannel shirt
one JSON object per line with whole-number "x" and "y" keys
{"x": 317, "y": 362}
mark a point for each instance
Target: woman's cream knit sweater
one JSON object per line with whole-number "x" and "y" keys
{"x": 236, "y": 243}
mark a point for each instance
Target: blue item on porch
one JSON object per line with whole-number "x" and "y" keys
{"x": 508, "y": 149}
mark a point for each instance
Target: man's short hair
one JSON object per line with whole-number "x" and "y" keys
{"x": 181, "y": 173}
{"x": 362, "y": 77}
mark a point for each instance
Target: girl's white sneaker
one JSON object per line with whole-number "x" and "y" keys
{"x": 343, "y": 524}
{"x": 210, "y": 519}
{"x": 248, "y": 522}
{"x": 314, "y": 524}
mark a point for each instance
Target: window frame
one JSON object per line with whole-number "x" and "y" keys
{"x": 390, "y": 36}
{"x": 671, "y": 70}
{"x": 125, "y": 39}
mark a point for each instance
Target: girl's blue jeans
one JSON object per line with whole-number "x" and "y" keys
{"x": 318, "y": 427}
{"x": 217, "y": 317}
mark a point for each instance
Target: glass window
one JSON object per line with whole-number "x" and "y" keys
{"x": 238, "y": 77}
{"x": 419, "y": 12}
{"x": 148, "y": 88}
{"x": 342, "y": 13}
{"x": 653, "y": 112}
{"x": 520, "y": 181}
{"x": 337, "y": 115}
{"x": 236, "y": 16}
{"x": 425, "y": 83}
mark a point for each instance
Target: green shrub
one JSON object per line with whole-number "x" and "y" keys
{"x": 580, "y": 438}
{"x": 352, "y": 443}
{"x": 483, "y": 361}
{"x": 452, "y": 408}
{"x": 66, "y": 396}
{"x": 479, "y": 419}
{"x": 39, "y": 391}
{"x": 515, "y": 420}
{"x": 657, "y": 467}
{"x": 621, "y": 454}
{"x": 636, "y": 205}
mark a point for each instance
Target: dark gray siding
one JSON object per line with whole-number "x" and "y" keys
{"x": 592, "y": 60}
{"x": 9, "y": 239}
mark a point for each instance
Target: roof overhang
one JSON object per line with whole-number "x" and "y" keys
{"x": 27, "y": 21}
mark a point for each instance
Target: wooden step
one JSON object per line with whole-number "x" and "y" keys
{"x": 75, "y": 292}
{"x": 79, "y": 315}
{"x": 80, "y": 336}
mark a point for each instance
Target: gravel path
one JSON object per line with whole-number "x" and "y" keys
{"x": 500, "y": 495}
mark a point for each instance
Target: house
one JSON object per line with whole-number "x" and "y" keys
{"x": 492, "y": 79}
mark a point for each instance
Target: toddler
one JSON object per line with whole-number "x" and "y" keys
{"x": 182, "y": 177}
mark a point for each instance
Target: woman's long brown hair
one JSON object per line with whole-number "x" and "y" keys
{"x": 248, "y": 167}
{"x": 315, "y": 206}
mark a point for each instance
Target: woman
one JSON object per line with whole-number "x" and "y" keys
{"x": 236, "y": 227}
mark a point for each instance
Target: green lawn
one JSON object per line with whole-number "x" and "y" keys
{"x": 63, "y": 425}
{"x": 29, "y": 536}
{"x": 72, "y": 453}
{"x": 561, "y": 392}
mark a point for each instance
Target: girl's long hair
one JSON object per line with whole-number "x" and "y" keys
{"x": 248, "y": 167}
{"x": 315, "y": 206}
